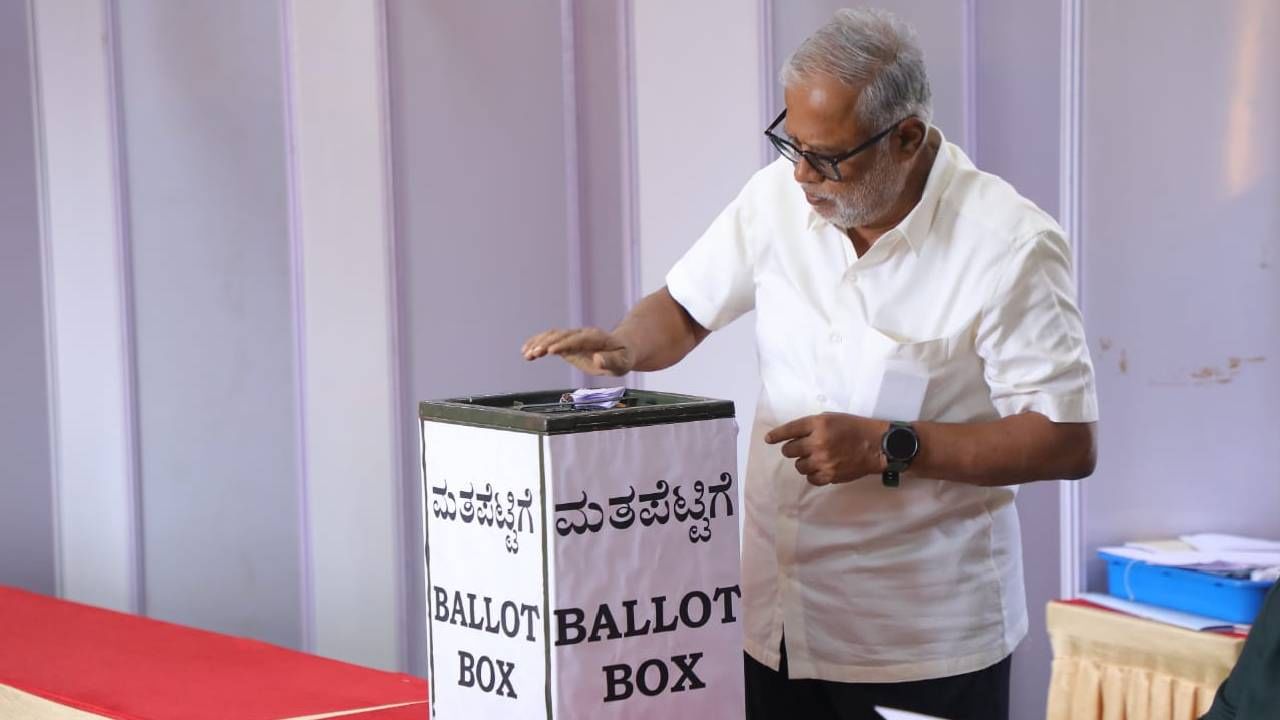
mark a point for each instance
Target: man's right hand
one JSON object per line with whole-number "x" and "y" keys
{"x": 591, "y": 350}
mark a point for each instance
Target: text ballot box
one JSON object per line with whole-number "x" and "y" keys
{"x": 582, "y": 563}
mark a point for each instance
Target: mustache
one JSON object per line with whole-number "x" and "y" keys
{"x": 816, "y": 193}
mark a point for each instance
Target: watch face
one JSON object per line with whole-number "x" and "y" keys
{"x": 901, "y": 444}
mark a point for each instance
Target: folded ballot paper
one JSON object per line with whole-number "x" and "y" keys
{"x": 595, "y": 398}
{"x": 891, "y": 714}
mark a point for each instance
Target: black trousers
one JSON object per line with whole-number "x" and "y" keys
{"x": 771, "y": 695}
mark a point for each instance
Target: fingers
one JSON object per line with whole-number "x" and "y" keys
{"x": 806, "y": 466}
{"x": 580, "y": 340}
{"x": 559, "y": 342}
{"x": 591, "y": 350}
{"x": 790, "y": 431}
{"x": 536, "y": 346}
{"x": 812, "y": 472}
{"x": 795, "y": 448}
{"x": 825, "y": 448}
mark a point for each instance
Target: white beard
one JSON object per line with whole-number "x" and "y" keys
{"x": 867, "y": 199}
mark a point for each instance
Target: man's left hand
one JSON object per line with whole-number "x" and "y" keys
{"x": 832, "y": 447}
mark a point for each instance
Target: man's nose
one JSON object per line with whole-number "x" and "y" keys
{"x": 806, "y": 174}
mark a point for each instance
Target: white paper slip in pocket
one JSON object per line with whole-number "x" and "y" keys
{"x": 900, "y": 396}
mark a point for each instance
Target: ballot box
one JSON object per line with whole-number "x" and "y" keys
{"x": 582, "y": 562}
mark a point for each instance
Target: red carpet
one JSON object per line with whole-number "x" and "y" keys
{"x": 133, "y": 668}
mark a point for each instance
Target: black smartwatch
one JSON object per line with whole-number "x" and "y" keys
{"x": 900, "y": 446}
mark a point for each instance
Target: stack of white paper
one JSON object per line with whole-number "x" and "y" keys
{"x": 1213, "y": 542}
{"x": 1208, "y": 552}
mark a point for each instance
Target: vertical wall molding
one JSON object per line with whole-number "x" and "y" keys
{"x": 46, "y": 296}
{"x": 768, "y": 75}
{"x": 408, "y": 551}
{"x": 306, "y": 585}
{"x": 632, "y": 284}
{"x": 336, "y": 53}
{"x": 971, "y": 78}
{"x": 1071, "y": 493}
{"x": 92, "y": 406}
{"x": 411, "y": 528}
{"x": 572, "y": 174}
{"x": 630, "y": 154}
{"x": 129, "y": 360}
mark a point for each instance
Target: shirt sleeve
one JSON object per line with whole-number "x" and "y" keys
{"x": 1031, "y": 336}
{"x": 715, "y": 280}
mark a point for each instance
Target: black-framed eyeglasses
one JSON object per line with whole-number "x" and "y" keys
{"x": 828, "y": 166}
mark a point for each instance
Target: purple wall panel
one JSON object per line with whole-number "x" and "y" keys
{"x": 1017, "y": 53}
{"x": 1018, "y": 98}
{"x": 481, "y": 211}
{"x": 26, "y": 489}
{"x": 1182, "y": 267}
{"x": 203, "y": 156}
{"x": 601, "y": 70}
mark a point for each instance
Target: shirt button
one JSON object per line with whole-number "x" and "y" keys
{"x": 822, "y": 398}
{"x": 835, "y": 337}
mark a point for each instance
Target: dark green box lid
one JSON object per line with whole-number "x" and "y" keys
{"x": 543, "y": 412}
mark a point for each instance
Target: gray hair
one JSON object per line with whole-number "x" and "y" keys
{"x": 871, "y": 49}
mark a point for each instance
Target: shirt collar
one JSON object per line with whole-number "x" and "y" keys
{"x": 916, "y": 225}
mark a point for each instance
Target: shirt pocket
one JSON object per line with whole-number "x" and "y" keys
{"x": 893, "y": 376}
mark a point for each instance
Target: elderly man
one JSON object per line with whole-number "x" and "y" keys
{"x": 921, "y": 353}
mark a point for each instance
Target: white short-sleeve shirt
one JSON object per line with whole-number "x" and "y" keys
{"x": 972, "y": 294}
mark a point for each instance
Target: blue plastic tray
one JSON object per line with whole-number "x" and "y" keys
{"x": 1192, "y": 591}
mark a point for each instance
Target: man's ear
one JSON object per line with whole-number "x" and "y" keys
{"x": 910, "y": 136}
